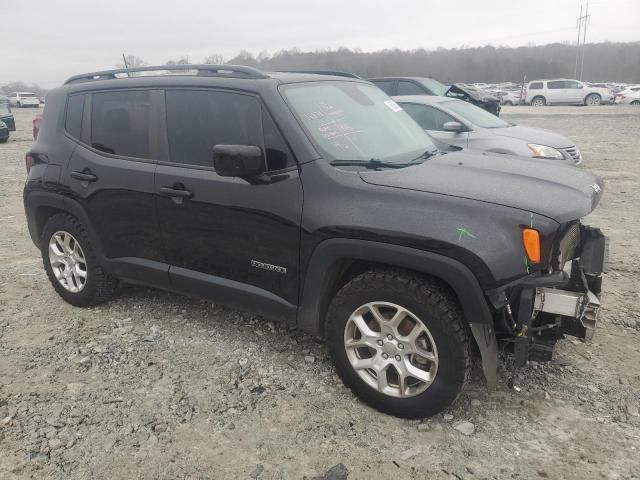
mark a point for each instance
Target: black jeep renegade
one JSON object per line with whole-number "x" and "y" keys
{"x": 316, "y": 200}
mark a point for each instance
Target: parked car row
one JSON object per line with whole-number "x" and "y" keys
{"x": 562, "y": 91}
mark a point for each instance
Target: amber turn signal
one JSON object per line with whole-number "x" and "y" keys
{"x": 531, "y": 242}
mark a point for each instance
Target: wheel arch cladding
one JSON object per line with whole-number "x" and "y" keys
{"x": 326, "y": 265}
{"x": 40, "y": 206}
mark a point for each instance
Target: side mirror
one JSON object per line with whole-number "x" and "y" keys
{"x": 453, "y": 127}
{"x": 244, "y": 161}
{"x": 580, "y": 85}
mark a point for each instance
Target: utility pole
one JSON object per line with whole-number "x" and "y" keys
{"x": 579, "y": 25}
{"x": 587, "y": 17}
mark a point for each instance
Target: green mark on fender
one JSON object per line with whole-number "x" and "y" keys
{"x": 526, "y": 263}
{"x": 462, "y": 232}
{"x": 530, "y": 220}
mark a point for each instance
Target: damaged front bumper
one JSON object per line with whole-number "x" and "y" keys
{"x": 541, "y": 308}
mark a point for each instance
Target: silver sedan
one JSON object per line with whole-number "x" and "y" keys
{"x": 464, "y": 125}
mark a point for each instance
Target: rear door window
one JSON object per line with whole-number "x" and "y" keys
{"x": 120, "y": 123}
{"x": 556, "y": 85}
{"x": 198, "y": 120}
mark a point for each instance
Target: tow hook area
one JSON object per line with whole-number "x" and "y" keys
{"x": 562, "y": 311}
{"x": 582, "y": 307}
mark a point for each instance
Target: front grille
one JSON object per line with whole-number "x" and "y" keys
{"x": 568, "y": 245}
{"x": 574, "y": 153}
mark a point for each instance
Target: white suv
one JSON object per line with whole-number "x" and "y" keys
{"x": 24, "y": 99}
{"x": 565, "y": 91}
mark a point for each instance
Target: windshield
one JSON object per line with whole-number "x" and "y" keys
{"x": 27, "y": 94}
{"x": 4, "y": 108}
{"x": 435, "y": 86}
{"x": 356, "y": 121}
{"x": 475, "y": 115}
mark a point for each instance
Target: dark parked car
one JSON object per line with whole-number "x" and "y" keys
{"x": 464, "y": 125}
{"x": 5, "y": 114}
{"x": 399, "y": 86}
{"x": 4, "y": 132}
{"x": 316, "y": 200}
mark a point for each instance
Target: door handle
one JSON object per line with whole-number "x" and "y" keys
{"x": 85, "y": 176}
{"x": 176, "y": 192}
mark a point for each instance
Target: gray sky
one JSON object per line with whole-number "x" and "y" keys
{"x": 45, "y": 41}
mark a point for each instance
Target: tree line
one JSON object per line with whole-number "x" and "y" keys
{"x": 616, "y": 62}
{"x": 604, "y": 62}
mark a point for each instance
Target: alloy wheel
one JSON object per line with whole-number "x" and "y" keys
{"x": 391, "y": 349}
{"x": 593, "y": 100}
{"x": 68, "y": 261}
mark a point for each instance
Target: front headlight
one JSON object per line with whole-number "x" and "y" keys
{"x": 544, "y": 151}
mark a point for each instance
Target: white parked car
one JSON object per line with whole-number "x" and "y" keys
{"x": 24, "y": 99}
{"x": 628, "y": 95}
{"x": 565, "y": 91}
{"x": 512, "y": 97}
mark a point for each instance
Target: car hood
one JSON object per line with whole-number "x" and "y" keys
{"x": 559, "y": 192}
{"x": 533, "y": 135}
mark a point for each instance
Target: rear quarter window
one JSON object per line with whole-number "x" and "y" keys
{"x": 535, "y": 86}
{"x": 73, "y": 121}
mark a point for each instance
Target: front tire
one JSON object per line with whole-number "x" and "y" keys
{"x": 72, "y": 264}
{"x": 636, "y": 103}
{"x": 592, "y": 99}
{"x": 399, "y": 342}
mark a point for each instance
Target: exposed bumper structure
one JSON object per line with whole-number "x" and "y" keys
{"x": 566, "y": 302}
{"x": 572, "y": 306}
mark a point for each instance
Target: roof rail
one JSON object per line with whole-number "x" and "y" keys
{"x": 335, "y": 73}
{"x": 233, "y": 71}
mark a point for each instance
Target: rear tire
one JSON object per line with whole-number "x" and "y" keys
{"x": 538, "y": 101}
{"x": 93, "y": 285}
{"x": 592, "y": 99}
{"x": 439, "y": 355}
{"x": 636, "y": 103}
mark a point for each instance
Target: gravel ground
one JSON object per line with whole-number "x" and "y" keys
{"x": 153, "y": 385}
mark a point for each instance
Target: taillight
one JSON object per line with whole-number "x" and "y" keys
{"x": 28, "y": 161}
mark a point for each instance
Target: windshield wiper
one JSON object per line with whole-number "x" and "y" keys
{"x": 426, "y": 156}
{"x": 372, "y": 163}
